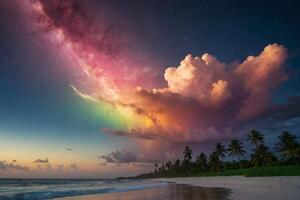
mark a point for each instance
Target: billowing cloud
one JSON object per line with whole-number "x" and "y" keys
{"x": 41, "y": 160}
{"x": 261, "y": 74}
{"x": 204, "y": 93}
{"x": 198, "y": 77}
{"x": 11, "y": 166}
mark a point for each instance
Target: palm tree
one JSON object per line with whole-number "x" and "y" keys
{"x": 262, "y": 156}
{"x": 156, "y": 168}
{"x": 162, "y": 169}
{"x": 201, "y": 162}
{"x": 187, "y": 157}
{"x": 177, "y": 166}
{"x": 288, "y": 147}
{"x": 256, "y": 138}
{"x": 236, "y": 149}
{"x": 177, "y": 163}
{"x": 168, "y": 165}
{"x": 214, "y": 161}
{"x": 220, "y": 150}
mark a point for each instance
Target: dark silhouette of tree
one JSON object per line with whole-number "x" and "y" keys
{"x": 187, "y": 157}
{"x": 177, "y": 163}
{"x": 215, "y": 163}
{"x": 256, "y": 138}
{"x": 201, "y": 162}
{"x": 156, "y": 168}
{"x": 288, "y": 147}
{"x": 168, "y": 165}
{"x": 236, "y": 149}
{"x": 177, "y": 166}
{"x": 262, "y": 156}
{"x": 162, "y": 169}
{"x": 220, "y": 150}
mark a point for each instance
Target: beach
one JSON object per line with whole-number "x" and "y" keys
{"x": 167, "y": 192}
{"x": 215, "y": 188}
{"x": 248, "y": 188}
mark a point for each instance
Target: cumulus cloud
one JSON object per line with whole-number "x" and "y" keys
{"x": 11, "y": 166}
{"x": 212, "y": 82}
{"x": 203, "y": 87}
{"x": 261, "y": 74}
{"x": 196, "y": 77}
{"x": 41, "y": 160}
{"x": 120, "y": 157}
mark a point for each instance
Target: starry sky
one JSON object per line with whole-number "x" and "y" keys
{"x": 108, "y": 88}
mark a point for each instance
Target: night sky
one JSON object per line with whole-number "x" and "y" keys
{"x": 104, "y": 87}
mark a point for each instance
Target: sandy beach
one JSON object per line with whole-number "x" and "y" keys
{"x": 248, "y": 188}
{"x": 167, "y": 192}
{"x": 215, "y": 188}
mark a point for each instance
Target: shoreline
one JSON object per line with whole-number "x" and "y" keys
{"x": 240, "y": 187}
{"x": 170, "y": 191}
{"x": 248, "y": 188}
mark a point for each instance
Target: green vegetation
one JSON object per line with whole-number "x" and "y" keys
{"x": 262, "y": 161}
{"x": 258, "y": 171}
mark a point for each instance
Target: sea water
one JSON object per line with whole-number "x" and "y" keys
{"x": 32, "y": 189}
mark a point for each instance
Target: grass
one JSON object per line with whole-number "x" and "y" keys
{"x": 259, "y": 171}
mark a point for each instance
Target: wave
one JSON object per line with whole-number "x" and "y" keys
{"x": 75, "y": 191}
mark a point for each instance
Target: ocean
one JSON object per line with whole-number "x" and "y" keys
{"x": 32, "y": 189}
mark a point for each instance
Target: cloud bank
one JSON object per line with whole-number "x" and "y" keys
{"x": 11, "y": 166}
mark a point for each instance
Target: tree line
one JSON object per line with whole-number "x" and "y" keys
{"x": 286, "y": 152}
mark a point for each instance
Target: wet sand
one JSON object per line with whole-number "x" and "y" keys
{"x": 248, "y": 188}
{"x": 168, "y": 192}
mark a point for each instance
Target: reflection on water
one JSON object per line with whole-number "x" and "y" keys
{"x": 169, "y": 192}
